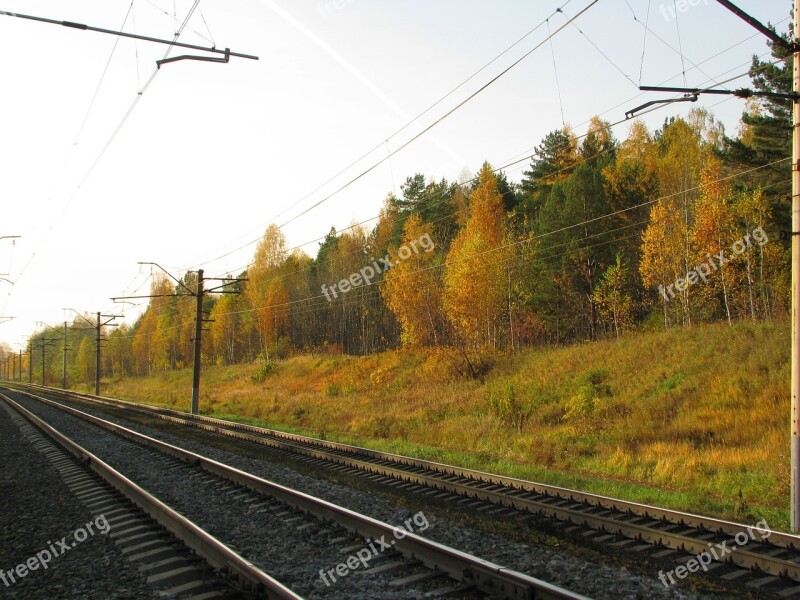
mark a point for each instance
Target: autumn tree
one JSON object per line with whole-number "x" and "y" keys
{"x": 613, "y": 299}
{"x": 264, "y": 289}
{"x": 714, "y": 230}
{"x": 667, "y": 249}
{"x": 474, "y": 280}
{"x": 412, "y": 289}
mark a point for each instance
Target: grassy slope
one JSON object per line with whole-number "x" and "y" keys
{"x": 693, "y": 419}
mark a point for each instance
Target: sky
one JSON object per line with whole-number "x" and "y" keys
{"x": 210, "y": 154}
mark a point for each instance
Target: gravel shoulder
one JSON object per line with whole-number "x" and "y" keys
{"x": 38, "y": 509}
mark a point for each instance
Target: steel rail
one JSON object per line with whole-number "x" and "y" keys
{"x": 484, "y": 575}
{"x": 213, "y": 551}
{"x": 321, "y": 449}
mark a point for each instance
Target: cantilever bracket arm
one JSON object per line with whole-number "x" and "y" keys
{"x": 686, "y": 98}
{"x": 741, "y": 92}
{"x": 225, "y": 59}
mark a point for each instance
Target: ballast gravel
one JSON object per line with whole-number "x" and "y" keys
{"x": 38, "y": 509}
{"x": 595, "y": 581}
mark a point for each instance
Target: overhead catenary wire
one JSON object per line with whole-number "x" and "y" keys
{"x": 136, "y": 55}
{"x": 500, "y": 169}
{"x": 440, "y": 119}
{"x": 103, "y": 75}
{"x": 527, "y": 154}
{"x": 397, "y": 132}
{"x": 169, "y": 16}
{"x": 605, "y": 56}
{"x": 646, "y": 31}
{"x": 555, "y": 74}
{"x": 106, "y": 146}
{"x": 677, "y": 51}
{"x": 428, "y": 109}
{"x": 401, "y": 129}
{"x": 680, "y": 41}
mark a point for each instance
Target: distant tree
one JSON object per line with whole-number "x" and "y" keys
{"x": 86, "y": 364}
{"x": 264, "y": 289}
{"x": 553, "y": 161}
{"x": 612, "y": 297}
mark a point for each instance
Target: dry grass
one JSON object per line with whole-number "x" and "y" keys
{"x": 696, "y": 419}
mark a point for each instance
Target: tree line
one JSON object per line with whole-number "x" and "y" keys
{"x": 577, "y": 250}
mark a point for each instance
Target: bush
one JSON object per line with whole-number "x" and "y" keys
{"x": 505, "y": 405}
{"x": 265, "y": 370}
{"x": 582, "y": 407}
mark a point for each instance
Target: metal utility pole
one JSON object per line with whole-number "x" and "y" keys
{"x": 98, "y": 327}
{"x": 30, "y": 361}
{"x": 64, "y": 364}
{"x": 45, "y": 342}
{"x": 65, "y": 348}
{"x": 691, "y": 95}
{"x": 795, "y": 439}
{"x": 97, "y": 359}
{"x": 198, "y": 333}
{"x": 20, "y": 364}
{"x": 99, "y": 341}
{"x": 199, "y": 294}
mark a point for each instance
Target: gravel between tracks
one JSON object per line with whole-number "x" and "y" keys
{"x": 596, "y": 581}
{"x": 37, "y": 508}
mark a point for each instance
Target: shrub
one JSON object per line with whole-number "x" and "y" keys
{"x": 582, "y": 407}
{"x": 265, "y": 370}
{"x": 505, "y": 404}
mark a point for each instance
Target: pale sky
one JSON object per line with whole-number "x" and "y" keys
{"x": 213, "y": 153}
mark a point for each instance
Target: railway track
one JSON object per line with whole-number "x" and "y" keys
{"x": 177, "y": 556}
{"x": 770, "y": 560}
{"x": 399, "y": 559}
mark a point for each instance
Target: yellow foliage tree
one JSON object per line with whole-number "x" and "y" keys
{"x": 412, "y": 289}
{"x": 265, "y": 291}
{"x": 612, "y": 299}
{"x": 474, "y": 282}
{"x": 714, "y": 230}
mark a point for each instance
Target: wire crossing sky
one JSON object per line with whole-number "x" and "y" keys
{"x": 213, "y": 153}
